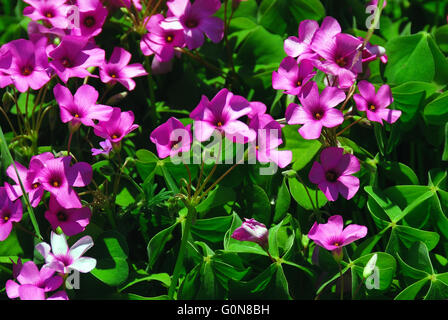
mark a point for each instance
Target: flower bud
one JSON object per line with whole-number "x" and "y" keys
{"x": 254, "y": 231}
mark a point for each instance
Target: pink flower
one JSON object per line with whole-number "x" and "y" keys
{"x": 117, "y": 127}
{"x": 5, "y": 65}
{"x": 73, "y": 56}
{"x": 29, "y": 179}
{"x": 375, "y": 104}
{"x": 59, "y": 178}
{"x": 82, "y": 107}
{"x": 72, "y": 221}
{"x": 29, "y": 64}
{"x": 50, "y": 11}
{"x": 9, "y": 212}
{"x": 92, "y": 16}
{"x": 269, "y": 137}
{"x": 291, "y": 77}
{"x": 222, "y": 114}
{"x": 125, "y": 3}
{"x": 339, "y": 51}
{"x": 171, "y": 137}
{"x": 317, "y": 111}
{"x": 59, "y": 257}
{"x": 334, "y": 174}
{"x": 34, "y": 284}
{"x": 195, "y": 19}
{"x": 253, "y": 231}
{"x": 300, "y": 47}
{"x": 37, "y": 32}
{"x": 257, "y": 108}
{"x": 161, "y": 41}
{"x": 332, "y": 235}
{"x": 119, "y": 69}
{"x": 106, "y": 148}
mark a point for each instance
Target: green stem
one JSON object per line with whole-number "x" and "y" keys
{"x": 342, "y": 281}
{"x": 183, "y": 247}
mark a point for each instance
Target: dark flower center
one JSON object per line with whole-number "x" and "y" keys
{"x": 55, "y": 183}
{"x": 6, "y": 217}
{"x": 49, "y": 14}
{"x": 115, "y": 136}
{"x": 62, "y": 216}
{"x": 219, "y": 123}
{"x": 299, "y": 83}
{"x": 36, "y": 185}
{"x": 89, "y": 21}
{"x": 66, "y": 63}
{"x": 169, "y": 38}
{"x": 341, "y": 62}
{"x": 372, "y": 107}
{"x": 191, "y": 23}
{"x": 318, "y": 115}
{"x": 26, "y": 71}
{"x": 336, "y": 244}
{"x": 331, "y": 176}
{"x": 76, "y": 115}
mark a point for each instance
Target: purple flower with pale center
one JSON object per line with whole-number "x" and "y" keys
{"x": 269, "y": 137}
{"x": 59, "y": 257}
{"x": 334, "y": 174}
{"x": 73, "y": 56}
{"x": 317, "y": 111}
{"x": 52, "y": 12}
{"x": 300, "y": 47}
{"x": 171, "y": 138}
{"x": 196, "y": 20}
{"x": 34, "y": 284}
{"x": 82, "y": 107}
{"x": 117, "y": 127}
{"x": 92, "y": 15}
{"x": 371, "y": 53}
{"x": 9, "y": 212}
{"x": 58, "y": 177}
{"x": 375, "y": 104}
{"x": 29, "y": 179}
{"x": 292, "y": 77}
{"x": 340, "y": 52}
{"x": 161, "y": 41}
{"x": 119, "y": 70}
{"x": 72, "y": 221}
{"x": 29, "y": 64}
{"x": 106, "y": 148}
{"x": 333, "y": 236}
{"x": 253, "y": 231}
{"x": 222, "y": 114}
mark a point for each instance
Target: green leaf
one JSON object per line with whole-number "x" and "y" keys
{"x": 298, "y": 192}
{"x": 160, "y": 277}
{"x": 410, "y": 235}
{"x": 111, "y": 252}
{"x": 303, "y": 151}
{"x": 390, "y": 209}
{"x": 411, "y": 292}
{"x": 157, "y": 243}
{"x": 445, "y": 149}
{"x": 283, "y": 202}
{"x": 436, "y": 112}
{"x": 257, "y": 202}
{"x": 441, "y": 36}
{"x": 385, "y": 263}
{"x": 418, "y": 258}
{"x": 217, "y": 197}
{"x": 399, "y": 173}
{"x": 211, "y": 230}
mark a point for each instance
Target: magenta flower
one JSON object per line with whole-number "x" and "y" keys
{"x": 37, "y": 32}
{"x": 73, "y": 56}
{"x": 125, "y": 3}
{"x": 161, "y": 41}
{"x": 300, "y": 47}
{"x": 92, "y": 15}
{"x": 117, "y": 127}
{"x": 72, "y": 221}
{"x": 34, "y": 284}
{"x": 53, "y": 12}
{"x": 332, "y": 235}
{"x": 171, "y": 138}
{"x": 253, "y": 231}
{"x": 118, "y": 69}
{"x": 269, "y": 137}
{"x": 59, "y": 178}
{"x": 375, "y": 104}
{"x": 82, "y": 107}
{"x": 291, "y": 77}
{"x": 371, "y": 53}
{"x": 317, "y": 111}
{"x": 195, "y": 19}
{"x": 9, "y": 212}
{"x": 257, "y": 108}
{"x": 59, "y": 257}
{"x": 339, "y": 51}
{"x": 222, "y": 114}
{"x": 106, "y": 148}
{"x": 29, "y": 179}
{"x": 29, "y": 64}
{"x": 334, "y": 174}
